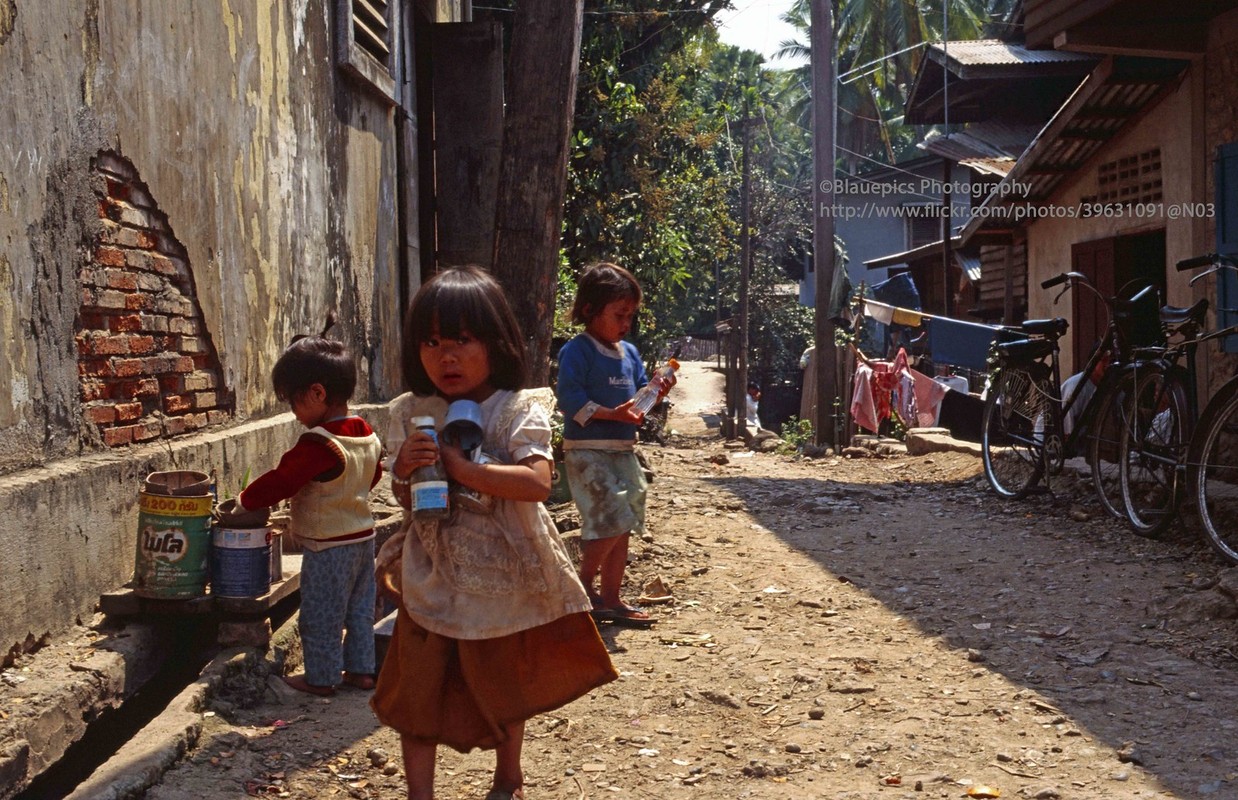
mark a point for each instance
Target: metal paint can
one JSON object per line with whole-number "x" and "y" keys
{"x": 240, "y": 562}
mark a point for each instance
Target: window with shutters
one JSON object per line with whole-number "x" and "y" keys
{"x": 923, "y": 225}
{"x": 365, "y": 42}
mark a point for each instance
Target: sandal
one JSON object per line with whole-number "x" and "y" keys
{"x": 359, "y": 681}
{"x": 299, "y": 683}
{"x": 500, "y": 794}
{"x": 624, "y": 615}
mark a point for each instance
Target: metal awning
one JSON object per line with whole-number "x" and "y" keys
{"x": 1117, "y": 93}
{"x": 991, "y": 74}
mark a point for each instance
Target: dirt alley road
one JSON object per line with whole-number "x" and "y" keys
{"x": 842, "y": 628}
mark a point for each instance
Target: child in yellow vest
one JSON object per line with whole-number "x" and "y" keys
{"x": 328, "y": 475}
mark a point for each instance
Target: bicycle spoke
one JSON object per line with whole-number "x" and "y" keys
{"x": 1013, "y": 433}
{"x": 1104, "y": 444}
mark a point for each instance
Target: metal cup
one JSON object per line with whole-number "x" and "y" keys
{"x": 462, "y": 427}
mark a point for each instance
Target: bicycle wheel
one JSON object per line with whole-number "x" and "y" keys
{"x": 1152, "y": 449}
{"x": 1104, "y": 440}
{"x": 1213, "y": 473}
{"x": 1012, "y": 438}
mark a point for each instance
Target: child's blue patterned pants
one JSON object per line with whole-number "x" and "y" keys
{"x": 337, "y": 597}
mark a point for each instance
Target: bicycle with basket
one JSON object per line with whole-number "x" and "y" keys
{"x": 1024, "y": 436}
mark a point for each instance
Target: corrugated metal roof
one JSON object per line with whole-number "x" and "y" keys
{"x": 989, "y": 148}
{"x": 985, "y": 78}
{"x": 989, "y": 166}
{"x": 994, "y": 52}
{"x": 966, "y": 260}
{"x": 969, "y": 263}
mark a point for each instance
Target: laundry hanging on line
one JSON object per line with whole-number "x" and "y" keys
{"x": 953, "y": 342}
{"x": 879, "y": 386}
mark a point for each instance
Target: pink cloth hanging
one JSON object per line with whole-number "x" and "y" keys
{"x": 863, "y": 410}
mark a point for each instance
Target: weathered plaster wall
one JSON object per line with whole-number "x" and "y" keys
{"x": 275, "y": 171}
{"x": 1050, "y": 240}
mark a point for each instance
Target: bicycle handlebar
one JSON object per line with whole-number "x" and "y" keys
{"x": 1058, "y": 280}
{"x": 1206, "y": 260}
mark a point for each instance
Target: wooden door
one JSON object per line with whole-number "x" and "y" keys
{"x": 1095, "y": 260}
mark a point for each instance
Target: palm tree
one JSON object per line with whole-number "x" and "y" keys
{"x": 879, "y": 44}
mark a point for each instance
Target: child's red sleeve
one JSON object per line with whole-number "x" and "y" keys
{"x": 300, "y": 465}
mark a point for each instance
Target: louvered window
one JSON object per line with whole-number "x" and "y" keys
{"x": 365, "y": 42}
{"x": 371, "y": 30}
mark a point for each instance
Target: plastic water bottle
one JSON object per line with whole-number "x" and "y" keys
{"x": 429, "y": 483}
{"x": 649, "y": 393}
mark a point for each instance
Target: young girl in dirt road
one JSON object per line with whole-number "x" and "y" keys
{"x": 598, "y": 375}
{"x": 493, "y": 624}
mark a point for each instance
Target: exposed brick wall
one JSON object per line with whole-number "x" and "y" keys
{"x": 147, "y": 365}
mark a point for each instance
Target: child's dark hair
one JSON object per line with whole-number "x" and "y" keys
{"x": 599, "y": 285}
{"x": 753, "y": 385}
{"x": 460, "y": 299}
{"x": 315, "y": 359}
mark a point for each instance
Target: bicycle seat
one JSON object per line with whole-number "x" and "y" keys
{"x": 1026, "y": 349}
{"x": 1173, "y": 315}
{"x": 1045, "y": 327}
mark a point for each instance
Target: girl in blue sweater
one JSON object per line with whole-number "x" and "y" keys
{"x": 599, "y": 373}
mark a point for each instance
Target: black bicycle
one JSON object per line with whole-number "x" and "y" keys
{"x": 1169, "y": 446}
{"x": 1025, "y": 436}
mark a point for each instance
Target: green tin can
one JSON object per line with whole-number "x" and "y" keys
{"x": 173, "y": 550}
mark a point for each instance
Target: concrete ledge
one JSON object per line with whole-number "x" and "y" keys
{"x": 62, "y": 688}
{"x": 69, "y": 529}
{"x": 143, "y": 760}
{"x": 865, "y": 443}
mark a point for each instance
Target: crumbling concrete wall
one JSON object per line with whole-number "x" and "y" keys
{"x": 184, "y": 187}
{"x": 271, "y": 169}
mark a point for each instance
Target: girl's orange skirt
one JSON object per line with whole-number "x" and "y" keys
{"x": 460, "y": 692}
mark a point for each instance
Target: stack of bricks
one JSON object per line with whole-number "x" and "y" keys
{"x": 147, "y": 365}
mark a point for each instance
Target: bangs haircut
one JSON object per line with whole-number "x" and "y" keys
{"x": 462, "y": 299}
{"x": 315, "y": 359}
{"x": 600, "y": 285}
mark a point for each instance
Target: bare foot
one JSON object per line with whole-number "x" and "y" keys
{"x": 299, "y": 683}
{"x": 362, "y": 682}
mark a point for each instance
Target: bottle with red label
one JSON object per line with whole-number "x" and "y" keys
{"x": 648, "y": 395}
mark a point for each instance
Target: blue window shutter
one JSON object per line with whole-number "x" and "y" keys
{"x": 1227, "y": 237}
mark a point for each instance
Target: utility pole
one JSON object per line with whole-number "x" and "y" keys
{"x": 823, "y": 125}
{"x": 745, "y": 278}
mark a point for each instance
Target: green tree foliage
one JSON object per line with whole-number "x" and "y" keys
{"x": 648, "y": 188}
{"x": 655, "y": 171}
